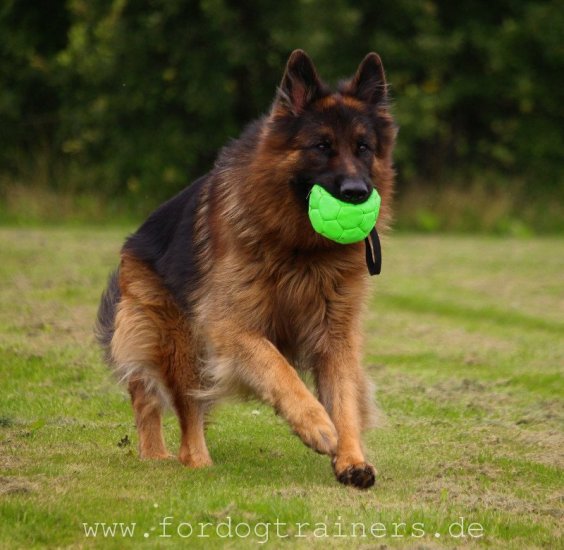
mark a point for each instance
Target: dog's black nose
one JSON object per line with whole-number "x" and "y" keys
{"x": 354, "y": 191}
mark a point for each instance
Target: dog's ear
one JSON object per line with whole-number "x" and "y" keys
{"x": 369, "y": 82}
{"x": 300, "y": 84}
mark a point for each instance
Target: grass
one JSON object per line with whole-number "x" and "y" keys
{"x": 489, "y": 205}
{"x": 492, "y": 205}
{"x": 464, "y": 342}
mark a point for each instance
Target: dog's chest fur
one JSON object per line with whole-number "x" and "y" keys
{"x": 296, "y": 300}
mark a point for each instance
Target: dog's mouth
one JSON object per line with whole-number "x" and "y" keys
{"x": 302, "y": 187}
{"x": 303, "y": 184}
{"x": 351, "y": 190}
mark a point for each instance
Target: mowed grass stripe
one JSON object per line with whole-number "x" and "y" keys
{"x": 461, "y": 313}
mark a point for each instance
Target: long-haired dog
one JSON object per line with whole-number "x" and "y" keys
{"x": 227, "y": 288}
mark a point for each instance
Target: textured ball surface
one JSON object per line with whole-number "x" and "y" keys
{"x": 341, "y": 221}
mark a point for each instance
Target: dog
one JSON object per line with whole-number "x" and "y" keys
{"x": 227, "y": 289}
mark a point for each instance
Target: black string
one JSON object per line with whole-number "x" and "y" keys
{"x": 373, "y": 253}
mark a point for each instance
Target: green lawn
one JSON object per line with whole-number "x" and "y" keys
{"x": 465, "y": 342}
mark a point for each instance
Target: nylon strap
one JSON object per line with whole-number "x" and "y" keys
{"x": 373, "y": 253}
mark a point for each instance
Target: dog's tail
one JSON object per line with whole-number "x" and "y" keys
{"x": 105, "y": 322}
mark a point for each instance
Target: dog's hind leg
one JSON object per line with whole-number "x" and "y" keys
{"x": 193, "y": 449}
{"x": 155, "y": 336}
{"x": 147, "y": 407}
{"x": 151, "y": 350}
{"x": 182, "y": 380}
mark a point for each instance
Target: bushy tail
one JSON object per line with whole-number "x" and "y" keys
{"x": 107, "y": 313}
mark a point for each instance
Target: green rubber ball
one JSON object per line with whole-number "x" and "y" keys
{"x": 340, "y": 221}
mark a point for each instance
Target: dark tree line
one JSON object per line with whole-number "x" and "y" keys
{"x": 131, "y": 96}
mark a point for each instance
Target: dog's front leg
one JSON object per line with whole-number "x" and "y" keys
{"x": 254, "y": 361}
{"x": 344, "y": 391}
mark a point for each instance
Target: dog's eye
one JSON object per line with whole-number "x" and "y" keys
{"x": 323, "y": 146}
{"x": 362, "y": 147}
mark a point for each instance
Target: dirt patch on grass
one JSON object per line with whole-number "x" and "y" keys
{"x": 53, "y": 325}
{"x": 549, "y": 445}
{"x": 466, "y": 493}
{"x": 472, "y": 393}
{"x": 543, "y": 412}
{"x": 16, "y": 486}
{"x": 292, "y": 491}
{"x": 471, "y": 485}
{"x": 12, "y": 454}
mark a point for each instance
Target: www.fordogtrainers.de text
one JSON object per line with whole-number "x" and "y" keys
{"x": 169, "y": 527}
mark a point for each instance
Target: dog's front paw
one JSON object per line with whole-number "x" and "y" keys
{"x": 361, "y": 475}
{"x": 317, "y": 431}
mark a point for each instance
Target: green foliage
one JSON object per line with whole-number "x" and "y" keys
{"x": 30, "y": 95}
{"x": 135, "y": 98}
{"x": 158, "y": 87}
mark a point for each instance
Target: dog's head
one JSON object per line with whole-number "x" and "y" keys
{"x": 342, "y": 140}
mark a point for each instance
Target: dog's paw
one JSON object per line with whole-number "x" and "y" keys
{"x": 361, "y": 475}
{"x": 194, "y": 460}
{"x": 317, "y": 431}
{"x": 155, "y": 455}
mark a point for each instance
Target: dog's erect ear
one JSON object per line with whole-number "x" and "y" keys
{"x": 369, "y": 82}
{"x": 300, "y": 84}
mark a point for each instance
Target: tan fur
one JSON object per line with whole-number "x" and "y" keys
{"x": 352, "y": 102}
{"x": 152, "y": 341}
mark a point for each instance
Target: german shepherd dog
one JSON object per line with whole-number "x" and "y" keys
{"x": 226, "y": 288}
